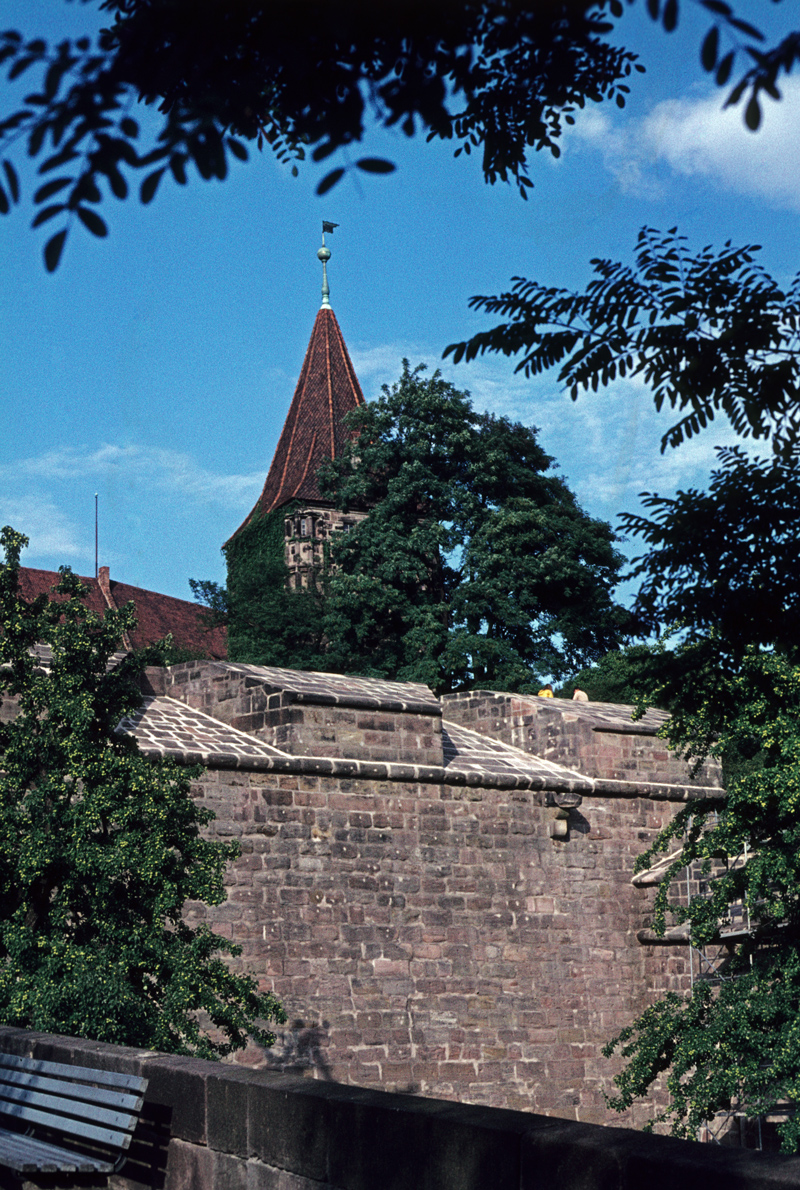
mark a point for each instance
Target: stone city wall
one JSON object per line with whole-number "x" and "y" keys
{"x": 435, "y": 938}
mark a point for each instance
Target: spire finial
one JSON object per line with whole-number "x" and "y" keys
{"x": 324, "y": 254}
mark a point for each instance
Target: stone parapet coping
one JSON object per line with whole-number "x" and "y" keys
{"x": 372, "y": 770}
{"x": 614, "y": 717}
{"x": 362, "y": 702}
{"x": 217, "y": 1127}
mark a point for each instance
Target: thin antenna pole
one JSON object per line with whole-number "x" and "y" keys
{"x": 96, "y": 570}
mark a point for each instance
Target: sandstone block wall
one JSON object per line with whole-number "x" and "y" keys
{"x": 436, "y": 940}
{"x": 597, "y": 739}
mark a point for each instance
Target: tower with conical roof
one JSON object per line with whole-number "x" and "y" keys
{"x": 313, "y": 433}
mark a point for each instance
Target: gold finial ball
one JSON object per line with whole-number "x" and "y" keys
{"x": 323, "y": 254}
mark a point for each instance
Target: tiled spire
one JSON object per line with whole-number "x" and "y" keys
{"x": 313, "y": 432}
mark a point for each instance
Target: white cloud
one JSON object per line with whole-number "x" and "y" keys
{"x": 50, "y": 530}
{"x": 134, "y": 465}
{"x": 490, "y": 380}
{"x": 698, "y": 137}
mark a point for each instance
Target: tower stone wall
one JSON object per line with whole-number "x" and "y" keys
{"x": 308, "y": 530}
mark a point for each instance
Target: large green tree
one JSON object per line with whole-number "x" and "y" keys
{"x": 475, "y": 566}
{"x": 498, "y": 76}
{"x": 101, "y": 848}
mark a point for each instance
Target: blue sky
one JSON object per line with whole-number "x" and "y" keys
{"x": 156, "y": 367}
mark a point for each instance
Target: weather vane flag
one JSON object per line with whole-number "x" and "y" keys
{"x": 324, "y": 255}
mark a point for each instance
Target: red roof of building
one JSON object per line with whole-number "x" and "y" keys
{"x": 314, "y": 431}
{"x": 158, "y": 615}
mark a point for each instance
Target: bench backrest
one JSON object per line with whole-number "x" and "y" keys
{"x": 96, "y": 1106}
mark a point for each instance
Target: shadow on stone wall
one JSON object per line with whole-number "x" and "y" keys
{"x": 300, "y": 1048}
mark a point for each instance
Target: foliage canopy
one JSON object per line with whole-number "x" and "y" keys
{"x": 725, "y": 562}
{"x": 709, "y": 332}
{"x": 474, "y": 566}
{"x": 498, "y": 76}
{"x": 267, "y": 623}
{"x": 101, "y": 848}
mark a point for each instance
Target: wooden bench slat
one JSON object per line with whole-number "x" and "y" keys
{"x": 88, "y": 1074}
{"x": 111, "y": 1078}
{"x": 62, "y": 1106}
{"x": 77, "y": 1091}
{"x": 18, "y": 1111}
{"x": 25, "y": 1154}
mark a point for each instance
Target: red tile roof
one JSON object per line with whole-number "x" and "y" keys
{"x": 158, "y": 614}
{"x": 328, "y": 388}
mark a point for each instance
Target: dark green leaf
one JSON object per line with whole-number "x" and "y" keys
{"x": 177, "y": 163}
{"x": 53, "y": 77}
{"x": 36, "y": 139}
{"x": 670, "y": 16}
{"x": 744, "y": 27}
{"x": 129, "y": 127}
{"x": 48, "y": 213}
{"x": 5, "y": 206}
{"x": 51, "y": 188}
{"x": 91, "y": 220}
{"x": 67, "y": 154}
{"x": 12, "y": 179}
{"x": 724, "y": 69}
{"x": 708, "y": 52}
{"x": 237, "y": 148}
{"x": 654, "y": 8}
{"x": 737, "y": 93}
{"x": 119, "y": 187}
{"x": 53, "y": 249}
{"x": 329, "y": 181}
{"x": 752, "y": 114}
{"x": 324, "y": 150}
{"x": 376, "y": 165}
{"x": 150, "y": 185}
{"x": 86, "y": 190}
{"x": 20, "y": 66}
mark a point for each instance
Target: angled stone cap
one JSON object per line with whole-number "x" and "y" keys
{"x": 468, "y": 751}
{"x": 314, "y": 430}
{"x": 329, "y": 689}
{"x": 167, "y": 727}
{"x": 599, "y": 716}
